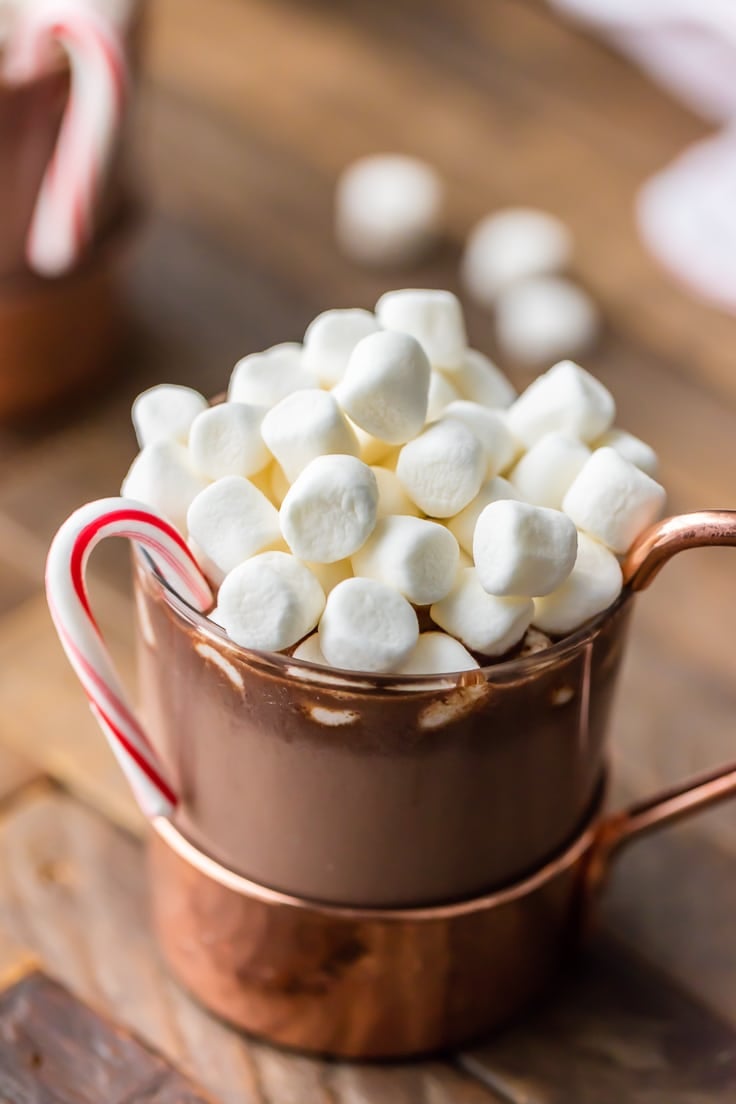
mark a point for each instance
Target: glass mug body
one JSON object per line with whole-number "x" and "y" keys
{"x": 374, "y": 790}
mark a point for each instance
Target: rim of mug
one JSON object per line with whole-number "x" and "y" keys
{"x": 338, "y": 678}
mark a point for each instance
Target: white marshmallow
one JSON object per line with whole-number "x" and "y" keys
{"x": 490, "y": 427}
{"x": 418, "y": 558}
{"x": 441, "y": 394}
{"x": 612, "y": 500}
{"x": 385, "y": 387}
{"x": 270, "y": 602}
{"x": 482, "y": 621}
{"x": 511, "y": 245}
{"x": 162, "y": 476}
{"x": 331, "y": 338}
{"x": 462, "y": 525}
{"x": 226, "y": 440}
{"x": 165, "y": 413}
{"x": 309, "y": 651}
{"x": 372, "y": 451}
{"x": 436, "y": 653}
{"x": 565, "y": 399}
{"x": 479, "y": 380}
{"x": 206, "y": 565}
{"x": 328, "y": 575}
{"x": 545, "y": 472}
{"x": 388, "y": 209}
{"x": 263, "y": 379}
{"x": 367, "y": 626}
{"x": 523, "y": 549}
{"x": 442, "y": 469}
{"x": 545, "y": 318}
{"x": 231, "y": 520}
{"x": 434, "y": 318}
{"x": 304, "y": 425}
{"x": 593, "y": 585}
{"x": 632, "y": 448}
{"x": 392, "y": 498}
{"x": 331, "y": 509}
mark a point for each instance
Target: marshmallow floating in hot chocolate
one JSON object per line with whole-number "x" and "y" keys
{"x": 263, "y": 379}
{"x": 269, "y": 602}
{"x": 520, "y": 549}
{"x": 434, "y": 318}
{"x": 165, "y": 413}
{"x": 330, "y": 340}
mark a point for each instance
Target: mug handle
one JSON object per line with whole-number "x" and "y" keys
{"x": 648, "y": 555}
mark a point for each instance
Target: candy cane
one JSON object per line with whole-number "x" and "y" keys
{"x": 62, "y": 221}
{"x": 68, "y": 601}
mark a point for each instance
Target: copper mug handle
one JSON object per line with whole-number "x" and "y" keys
{"x": 650, "y": 552}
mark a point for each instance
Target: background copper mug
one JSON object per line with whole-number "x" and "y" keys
{"x": 393, "y": 982}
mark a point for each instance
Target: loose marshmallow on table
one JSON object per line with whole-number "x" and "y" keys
{"x": 540, "y": 320}
{"x": 463, "y": 523}
{"x": 226, "y": 440}
{"x": 388, "y": 209}
{"x": 545, "y": 472}
{"x": 392, "y": 498}
{"x": 443, "y": 468}
{"x": 479, "y": 380}
{"x": 162, "y": 476}
{"x": 613, "y": 500}
{"x": 632, "y": 448}
{"x": 523, "y": 549}
{"x": 305, "y": 425}
{"x": 419, "y": 558}
{"x": 331, "y": 338}
{"x": 331, "y": 509}
{"x": 436, "y": 653}
{"x": 165, "y": 413}
{"x": 386, "y": 386}
{"x": 441, "y": 394}
{"x": 593, "y": 585}
{"x": 270, "y": 602}
{"x": 367, "y": 626}
{"x": 483, "y": 622}
{"x": 231, "y": 520}
{"x": 434, "y": 318}
{"x": 263, "y": 379}
{"x": 490, "y": 427}
{"x": 565, "y": 399}
{"x": 512, "y": 245}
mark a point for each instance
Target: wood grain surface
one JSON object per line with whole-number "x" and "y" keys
{"x": 248, "y": 111}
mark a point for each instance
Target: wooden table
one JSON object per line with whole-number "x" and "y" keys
{"x": 250, "y": 108}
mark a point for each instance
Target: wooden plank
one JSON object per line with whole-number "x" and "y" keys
{"x": 16, "y": 772}
{"x": 15, "y": 962}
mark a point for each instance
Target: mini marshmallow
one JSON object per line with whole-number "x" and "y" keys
{"x": 479, "y": 380}
{"x": 367, "y": 626}
{"x": 331, "y": 509}
{"x": 388, "y": 209}
{"x": 162, "y": 476}
{"x": 545, "y": 472}
{"x": 434, "y": 318}
{"x": 441, "y": 394}
{"x": 165, "y": 413}
{"x": 304, "y": 425}
{"x": 593, "y": 585}
{"x": 436, "y": 653}
{"x": 419, "y": 558}
{"x": 264, "y": 379}
{"x": 226, "y": 440}
{"x": 483, "y": 622}
{"x": 231, "y": 520}
{"x": 512, "y": 245}
{"x": 543, "y": 319}
{"x": 523, "y": 549}
{"x": 330, "y": 340}
{"x": 490, "y": 427}
{"x": 612, "y": 500}
{"x": 392, "y": 498}
{"x": 270, "y": 602}
{"x": 309, "y": 651}
{"x": 385, "y": 387}
{"x": 328, "y": 575}
{"x": 565, "y": 399}
{"x": 462, "y": 525}
{"x": 442, "y": 469}
{"x": 632, "y": 448}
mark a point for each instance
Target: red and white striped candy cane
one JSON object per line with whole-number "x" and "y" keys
{"x": 63, "y": 217}
{"x": 66, "y": 592}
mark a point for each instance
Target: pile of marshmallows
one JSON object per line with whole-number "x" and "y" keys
{"x": 383, "y": 467}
